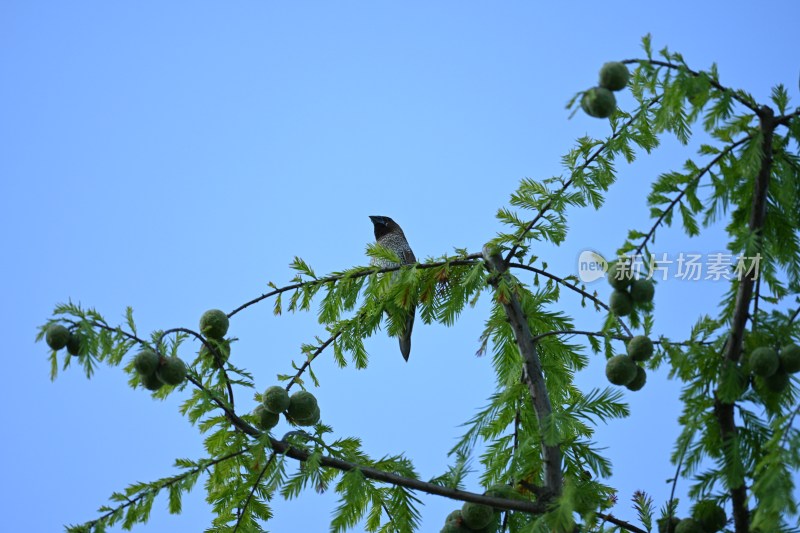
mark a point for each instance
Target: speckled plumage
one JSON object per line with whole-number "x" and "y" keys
{"x": 389, "y": 235}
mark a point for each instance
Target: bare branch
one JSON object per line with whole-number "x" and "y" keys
{"x": 620, "y": 523}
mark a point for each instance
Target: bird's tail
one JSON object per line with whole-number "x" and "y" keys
{"x": 405, "y": 337}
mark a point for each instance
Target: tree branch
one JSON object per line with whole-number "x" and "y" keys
{"x": 783, "y": 120}
{"x": 410, "y": 483}
{"x": 532, "y": 370}
{"x": 680, "y": 195}
{"x": 310, "y": 359}
{"x": 615, "y": 337}
{"x": 253, "y": 490}
{"x": 212, "y": 349}
{"x": 752, "y": 106}
{"x": 568, "y": 182}
{"x": 794, "y": 315}
{"x": 620, "y": 523}
{"x": 733, "y": 351}
{"x": 167, "y": 484}
{"x": 285, "y": 448}
{"x": 572, "y": 287}
{"x": 365, "y": 271}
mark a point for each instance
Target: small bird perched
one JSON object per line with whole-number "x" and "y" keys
{"x": 389, "y": 235}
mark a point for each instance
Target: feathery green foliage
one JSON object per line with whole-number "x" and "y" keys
{"x": 738, "y": 444}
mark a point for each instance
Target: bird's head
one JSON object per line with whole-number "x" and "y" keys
{"x": 383, "y": 225}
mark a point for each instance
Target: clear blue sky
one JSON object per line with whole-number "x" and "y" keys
{"x": 175, "y": 156}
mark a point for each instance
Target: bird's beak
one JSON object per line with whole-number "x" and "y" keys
{"x": 378, "y": 220}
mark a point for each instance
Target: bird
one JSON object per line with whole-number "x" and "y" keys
{"x": 389, "y": 235}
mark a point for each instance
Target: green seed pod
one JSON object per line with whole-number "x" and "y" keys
{"x": 614, "y": 76}
{"x": 264, "y": 419}
{"x": 146, "y": 362}
{"x": 476, "y": 515}
{"x": 74, "y": 343}
{"x": 621, "y": 370}
{"x": 454, "y": 516}
{"x": 642, "y": 291}
{"x": 598, "y": 102}
{"x": 57, "y": 336}
{"x": 620, "y": 303}
{"x": 777, "y": 381}
{"x": 151, "y": 381}
{"x": 640, "y": 348}
{"x": 301, "y": 405}
{"x": 275, "y": 399}
{"x": 764, "y": 361}
{"x": 172, "y": 372}
{"x": 620, "y": 275}
{"x": 214, "y": 324}
{"x": 790, "y": 358}
{"x": 639, "y": 380}
{"x": 309, "y": 420}
{"x": 709, "y": 515}
{"x": 689, "y": 525}
{"x": 493, "y": 527}
{"x": 501, "y": 490}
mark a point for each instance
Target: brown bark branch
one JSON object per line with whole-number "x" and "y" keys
{"x": 410, "y": 483}
{"x": 733, "y": 349}
{"x": 285, "y": 448}
{"x": 621, "y": 523}
{"x": 532, "y": 371}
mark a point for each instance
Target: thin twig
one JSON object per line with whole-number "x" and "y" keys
{"x": 615, "y": 337}
{"x": 752, "y": 106}
{"x": 169, "y": 483}
{"x": 310, "y": 358}
{"x": 253, "y": 490}
{"x": 217, "y": 356}
{"x": 675, "y": 479}
{"x": 567, "y": 183}
{"x": 681, "y": 194}
{"x": 621, "y": 523}
{"x": 794, "y": 316}
{"x": 366, "y": 271}
{"x": 572, "y": 287}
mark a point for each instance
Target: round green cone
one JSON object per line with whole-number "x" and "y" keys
{"x": 57, "y": 336}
